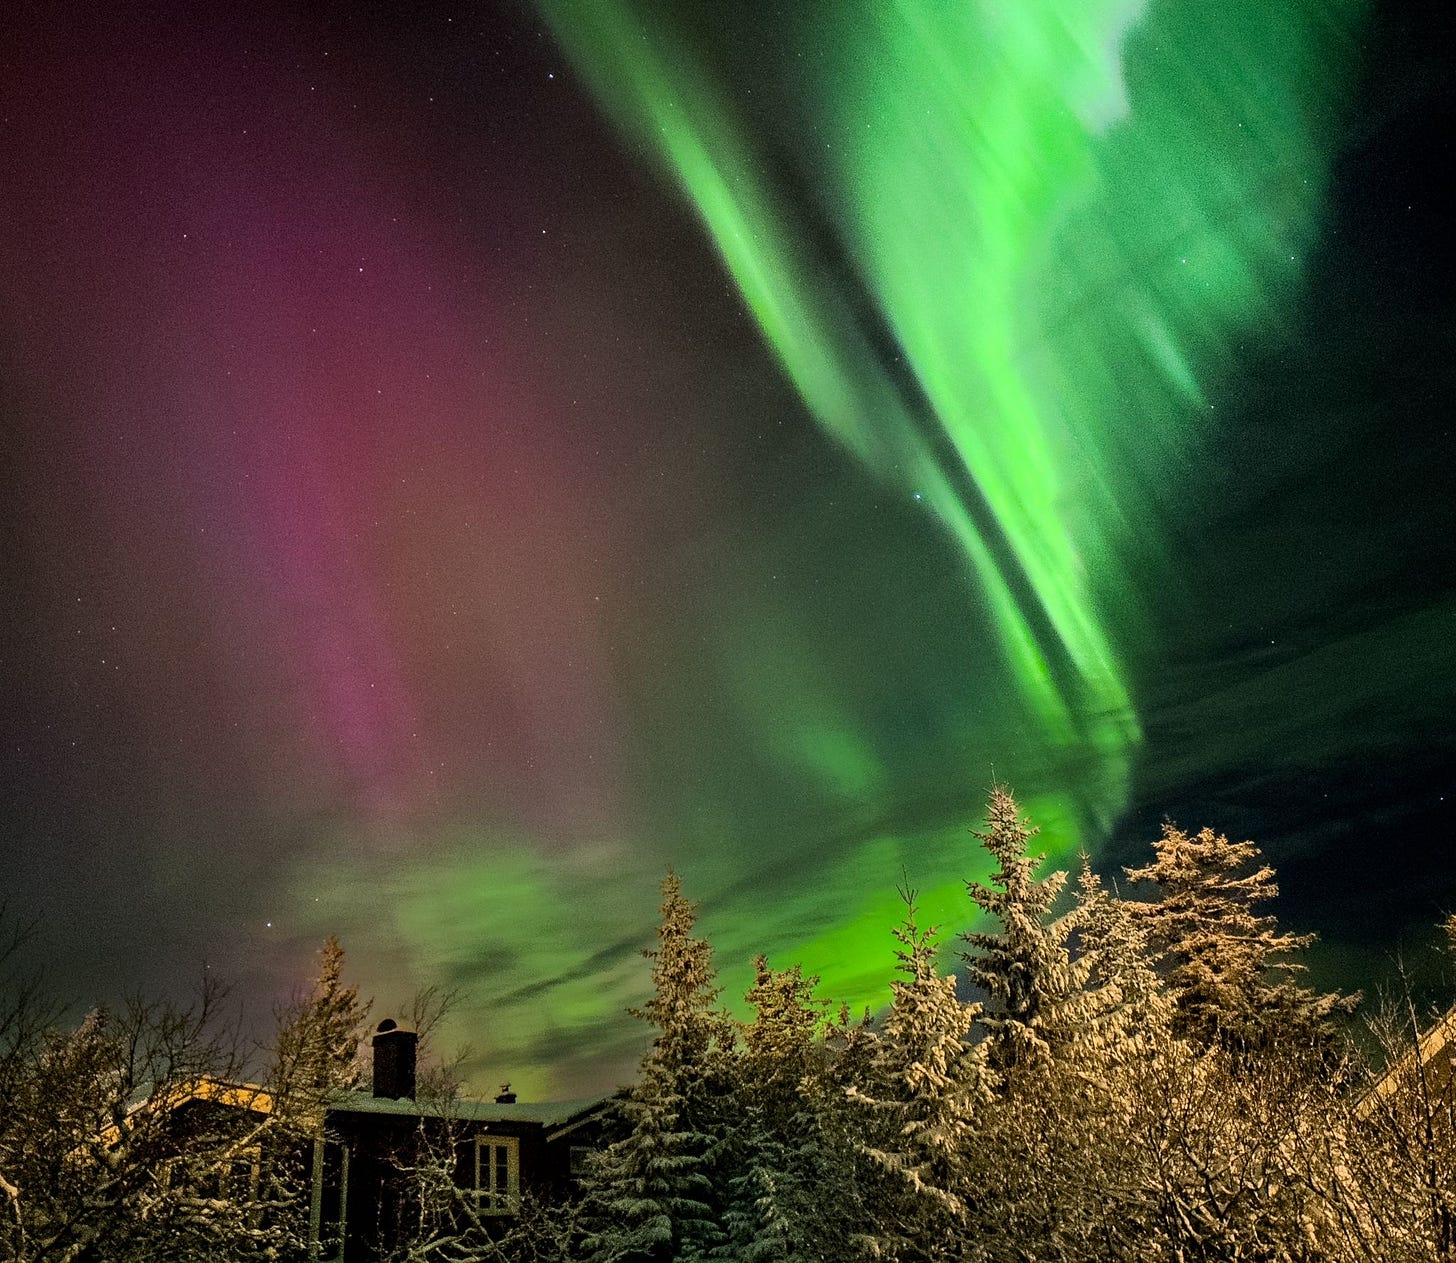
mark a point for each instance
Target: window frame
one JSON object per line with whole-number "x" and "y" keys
{"x": 489, "y": 1199}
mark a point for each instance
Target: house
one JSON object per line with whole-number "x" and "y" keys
{"x": 375, "y": 1147}
{"x": 1428, "y": 1069}
{"x": 357, "y": 1176}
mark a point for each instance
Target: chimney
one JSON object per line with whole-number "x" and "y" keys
{"x": 394, "y": 1061}
{"x": 505, "y": 1096}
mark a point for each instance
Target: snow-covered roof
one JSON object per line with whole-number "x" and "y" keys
{"x": 547, "y": 1113}
{"x": 1434, "y": 1053}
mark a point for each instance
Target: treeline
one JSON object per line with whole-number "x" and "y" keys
{"x": 1141, "y": 1079}
{"x": 1145, "y": 1080}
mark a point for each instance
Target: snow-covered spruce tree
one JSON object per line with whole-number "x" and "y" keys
{"x": 1129, "y": 1001}
{"x": 653, "y": 1196}
{"x": 314, "y": 1058}
{"x": 850, "y": 1048}
{"x": 926, "y": 1085}
{"x": 1054, "y": 1177}
{"x": 1037, "y": 1001}
{"x": 789, "y": 1189}
{"x": 316, "y": 1050}
{"x": 1228, "y": 966}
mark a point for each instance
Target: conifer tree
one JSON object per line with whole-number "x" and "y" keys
{"x": 1053, "y": 1158}
{"x": 778, "y": 1044}
{"x": 652, "y": 1197}
{"x": 1227, "y": 964}
{"x": 317, "y": 1047}
{"x": 788, "y": 1195}
{"x": 926, "y": 1084}
{"x": 1131, "y": 1006}
{"x": 1025, "y": 965}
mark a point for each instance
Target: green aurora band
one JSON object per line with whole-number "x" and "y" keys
{"x": 1035, "y": 237}
{"x": 1007, "y": 255}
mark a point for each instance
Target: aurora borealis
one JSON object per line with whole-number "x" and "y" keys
{"x": 461, "y": 462}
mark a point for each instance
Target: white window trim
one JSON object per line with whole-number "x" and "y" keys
{"x": 490, "y": 1200}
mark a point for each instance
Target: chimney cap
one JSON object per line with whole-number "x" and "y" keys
{"x": 389, "y": 1024}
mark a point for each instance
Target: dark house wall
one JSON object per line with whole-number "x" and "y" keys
{"x": 367, "y": 1157}
{"x": 363, "y": 1201}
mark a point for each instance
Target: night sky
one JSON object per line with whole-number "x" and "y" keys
{"x": 456, "y": 462}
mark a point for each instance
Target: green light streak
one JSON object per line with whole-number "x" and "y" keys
{"x": 490, "y": 916}
{"x": 493, "y": 916}
{"x": 848, "y": 943}
{"x": 1038, "y": 234}
{"x": 1063, "y": 216}
{"x": 655, "y": 87}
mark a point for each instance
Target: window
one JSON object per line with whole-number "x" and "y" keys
{"x": 497, "y": 1174}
